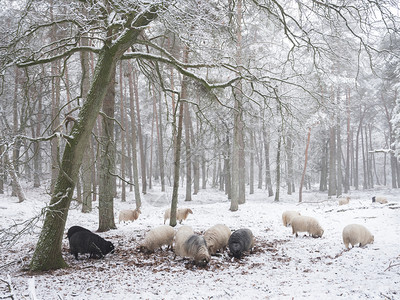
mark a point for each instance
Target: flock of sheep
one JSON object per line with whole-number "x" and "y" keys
{"x": 215, "y": 239}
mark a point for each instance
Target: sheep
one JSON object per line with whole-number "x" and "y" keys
{"x": 158, "y": 237}
{"x": 240, "y": 240}
{"x": 356, "y": 234}
{"x": 287, "y": 217}
{"x": 381, "y": 200}
{"x": 181, "y": 214}
{"x": 181, "y": 236}
{"x": 307, "y": 224}
{"x": 89, "y": 242}
{"x": 344, "y": 201}
{"x": 129, "y": 215}
{"x": 74, "y": 229}
{"x": 195, "y": 247}
{"x": 217, "y": 238}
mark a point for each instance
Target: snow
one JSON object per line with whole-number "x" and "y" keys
{"x": 280, "y": 267}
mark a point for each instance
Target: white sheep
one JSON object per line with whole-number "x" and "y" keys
{"x": 307, "y": 224}
{"x": 217, "y": 238}
{"x": 287, "y": 217}
{"x": 381, "y": 200}
{"x": 356, "y": 234}
{"x": 181, "y": 214}
{"x": 158, "y": 237}
{"x": 343, "y": 201}
{"x": 181, "y": 235}
{"x": 129, "y": 214}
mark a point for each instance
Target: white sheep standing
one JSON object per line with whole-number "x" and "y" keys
{"x": 217, "y": 238}
{"x": 287, "y": 217}
{"x": 129, "y": 214}
{"x": 307, "y": 224}
{"x": 356, "y": 234}
{"x": 343, "y": 201}
{"x": 181, "y": 235}
{"x": 158, "y": 237}
{"x": 181, "y": 214}
{"x": 381, "y": 200}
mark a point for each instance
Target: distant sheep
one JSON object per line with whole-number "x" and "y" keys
{"x": 240, "y": 241}
{"x": 158, "y": 237}
{"x": 89, "y": 242}
{"x": 217, "y": 238}
{"x": 287, "y": 217}
{"x": 356, "y": 234}
{"x": 195, "y": 247}
{"x": 181, "y": 214}
{"x": 181, "y": 236}
{"x": 344, "y": 201}
{"x": 129, "y": 215}
{"x": 307, "y": 224}
{"x": 381, "y": 200}
{"x": 74, "y": 229}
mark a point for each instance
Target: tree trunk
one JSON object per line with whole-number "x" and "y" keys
{"x": 47, "y": 254}
{"x": 160, "y": 142}
{"x": 252, "y": 150}
{"x": 122, "y": 116}
{"x": 107, "y": 160}
{"x": 133, "y": 139}
{"x": 268, "y": 181}
{"x": 140, "y": 135}
{"x": 188, "y": 156}
{"x": 278, "y": 168}
{"x": 338, "y": 160}
{"x": 347, "y": 167}
{"x": 332, "y": 162}
{"x": 305, "y": 166}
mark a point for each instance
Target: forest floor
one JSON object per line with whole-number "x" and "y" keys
{"x": 281, "y": 266}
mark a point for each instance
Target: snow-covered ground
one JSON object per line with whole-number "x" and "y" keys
{"x": 280, "y": 267}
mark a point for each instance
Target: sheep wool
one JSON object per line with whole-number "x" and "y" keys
{"x": 344, "y": 201}
{"x": 181, "y": 236}
{"x": 217, "y": 238}
{"x": 356, "y": 234}
{"x": 381, "y": 200}
{"x": 181, "y": 214}
{"x": 129, "y": 215}
{"x": 307, "y": 224}
{"x": 287, "y": 217}
{"x": 240, "y": 241}
{"x": 195, "y": 247}
{"x": 158, "y": 237}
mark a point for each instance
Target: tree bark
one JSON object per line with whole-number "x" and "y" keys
{"x": 47, "y": 254}
{"x": 122, "y": 116}
{"x": 305, "y": 166}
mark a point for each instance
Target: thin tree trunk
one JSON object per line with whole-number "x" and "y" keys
{"x": 122, "y": 113}
{"x": 332, "y": 162}
{"x": 140, "y": 135}
{"x": 278, "y": 168}
{"x": 133, "y": 139}
{"x": 305, "y": 166}
{"x": 188, "y": 166}
{"x": 338, "y": 160}
{"x": 251, "y": 183}
{"x": 347, "y": 167}
{"x": 160, "y": 142}
{"x": 268, "y": 181}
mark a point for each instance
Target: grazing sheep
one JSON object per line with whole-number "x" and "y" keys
{"x": 158, "y": 237}
{"x": 381, "y": 200}
{"x": 181, "y": 214}
{"x": 344, "y": 201}
{"x": 217, "y": 238}
{"x": 181, "y": 236}
{"x": 307, "y": 224}
{"x": 74, "y": 229}
{"x": 287, "y": 217}
{"x": 89, "y": 242}
{"x": 129, "y": 214}
{"x": 195, "y": 247}
{"x": 240, "y": 240}
{"x": 356, "y": 234}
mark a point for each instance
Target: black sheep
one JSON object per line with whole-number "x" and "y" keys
{"x": 89, "y": 242}
{"x": 240, "y": 240}
{"x": 74, "y": 229}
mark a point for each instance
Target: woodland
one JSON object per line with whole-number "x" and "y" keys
{"x": 100, "y": 99}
